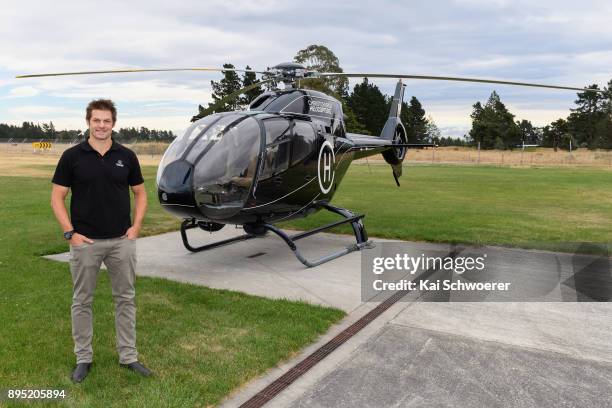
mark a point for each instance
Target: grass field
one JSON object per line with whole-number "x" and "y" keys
{"x": 547, "y": 208}
{"x": 202, "y": 343}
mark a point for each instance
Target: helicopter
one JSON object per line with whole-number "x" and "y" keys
{"x": 280, "y": 159}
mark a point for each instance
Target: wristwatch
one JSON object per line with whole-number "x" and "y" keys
{"x": 68, "y": 235}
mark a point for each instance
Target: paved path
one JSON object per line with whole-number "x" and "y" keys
{"x": 421, "y": 353}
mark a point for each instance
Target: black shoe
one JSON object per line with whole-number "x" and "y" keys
{"x": 80, "y": 372}
{"x": 138, "y": 368}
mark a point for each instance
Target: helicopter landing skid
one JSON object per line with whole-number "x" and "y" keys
{"x": 191, "y": 223}
{"x": 361, "y": 236}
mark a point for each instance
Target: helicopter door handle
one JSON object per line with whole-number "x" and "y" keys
{"x": 277, "y": 180}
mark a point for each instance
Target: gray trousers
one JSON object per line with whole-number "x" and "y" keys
{"x": 119, "y": 256}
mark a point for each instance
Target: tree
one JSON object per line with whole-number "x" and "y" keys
{"x": 449, "y": 141}
{"x": 413, "y": 118}
{"x": 49, "y": 130}
{"x": 369, "y": 106}
{"x": 351, "y": 123}
{"x": 528, "y": 133}
{"x": 322, "y": 59}
{"x": 553, "y": 135}
{"x": 249, "y": 78}
{"x": 585, "y": 121}
{"x": 493, "y": 125}
{"x": 432, "y": 133}
{"x": 230, "y": 83}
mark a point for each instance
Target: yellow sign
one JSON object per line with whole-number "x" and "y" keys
{"x": 41, "y": 145}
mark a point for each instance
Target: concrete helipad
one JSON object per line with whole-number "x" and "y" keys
{"x": 420, "y": 353}
{"x": 260, "y": 266}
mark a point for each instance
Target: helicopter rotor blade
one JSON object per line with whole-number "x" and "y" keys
{"x": 230, "y": 98}
{"x": 441, "y": 78}
{"x": 123, "y": 71}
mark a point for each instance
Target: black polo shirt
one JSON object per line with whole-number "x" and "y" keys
{"x": 100, "y": 202}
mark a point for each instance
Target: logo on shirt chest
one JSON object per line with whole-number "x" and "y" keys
{"x": 119, "y": 163}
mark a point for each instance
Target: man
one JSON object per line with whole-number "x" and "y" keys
{"x": 99, "y": 229}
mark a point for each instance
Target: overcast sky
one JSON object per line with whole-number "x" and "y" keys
{"x": 553, "y": 42}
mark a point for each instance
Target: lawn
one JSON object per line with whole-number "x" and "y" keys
{"x": 546, "y": 208}
{"x": 202, "y": 343}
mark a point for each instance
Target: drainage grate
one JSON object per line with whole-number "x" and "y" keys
{"x": 303, "y": 366}
{"x": 278, "y": 385}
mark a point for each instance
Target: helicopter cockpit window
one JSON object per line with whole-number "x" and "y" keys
{"x": 279, "y": 103}
{"x": 183, "y": 141}
{"x": 299, "y": 106}
{"x": 304, "y": 140}
{"x": 339, "y": 130}
{"x": 338, "y": 121}
{"x": 278, "y": 138}
{"x": 212, "y": 134}
{"x": 277, "y": 130}
{"x": 224, "y": 173}
{"x": 261, "y": 101}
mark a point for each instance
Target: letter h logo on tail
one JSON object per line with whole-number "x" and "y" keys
{"x": 326, "y": 167}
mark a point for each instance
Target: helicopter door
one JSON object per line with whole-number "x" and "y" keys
{"x": 278, "y": 138}
{"x": 304, "y": 147}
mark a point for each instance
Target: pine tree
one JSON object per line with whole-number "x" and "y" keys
{"x": 585, "y": 120}
{"x": 369, "y": 105}
{"x": 351, "y": 123}
{"x": 414, "y": 120}
{"x": 249, "y": 78}
{"x": 528, "y": 133}
{"x": 230, "y": 83}
{"x": 493, "y": 123}
{"x": 553, "y": 134}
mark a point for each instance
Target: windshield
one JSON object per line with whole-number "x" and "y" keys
{"x": 182, "y": 142}
{"x": 225, "y": 160}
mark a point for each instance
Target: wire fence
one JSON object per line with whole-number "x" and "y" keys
{"x": 57, "y": 147}
{"x": 444, "y": 155}
{"x": 532, "y": 157}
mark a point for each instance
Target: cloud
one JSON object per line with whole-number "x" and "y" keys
{"x": 42, "y": 111}
{"x": 138, "y": 91}
{"x": 547, "y": 41}
{"x": 22, "y": 92}
{"x": 454, "y": 131}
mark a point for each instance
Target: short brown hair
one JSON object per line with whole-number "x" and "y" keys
{"x": 101, "y": 104}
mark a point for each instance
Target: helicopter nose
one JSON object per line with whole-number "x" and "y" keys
{"x": 175, "y": 189}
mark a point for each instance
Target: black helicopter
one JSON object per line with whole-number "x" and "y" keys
{"x": 282, "y": 158}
